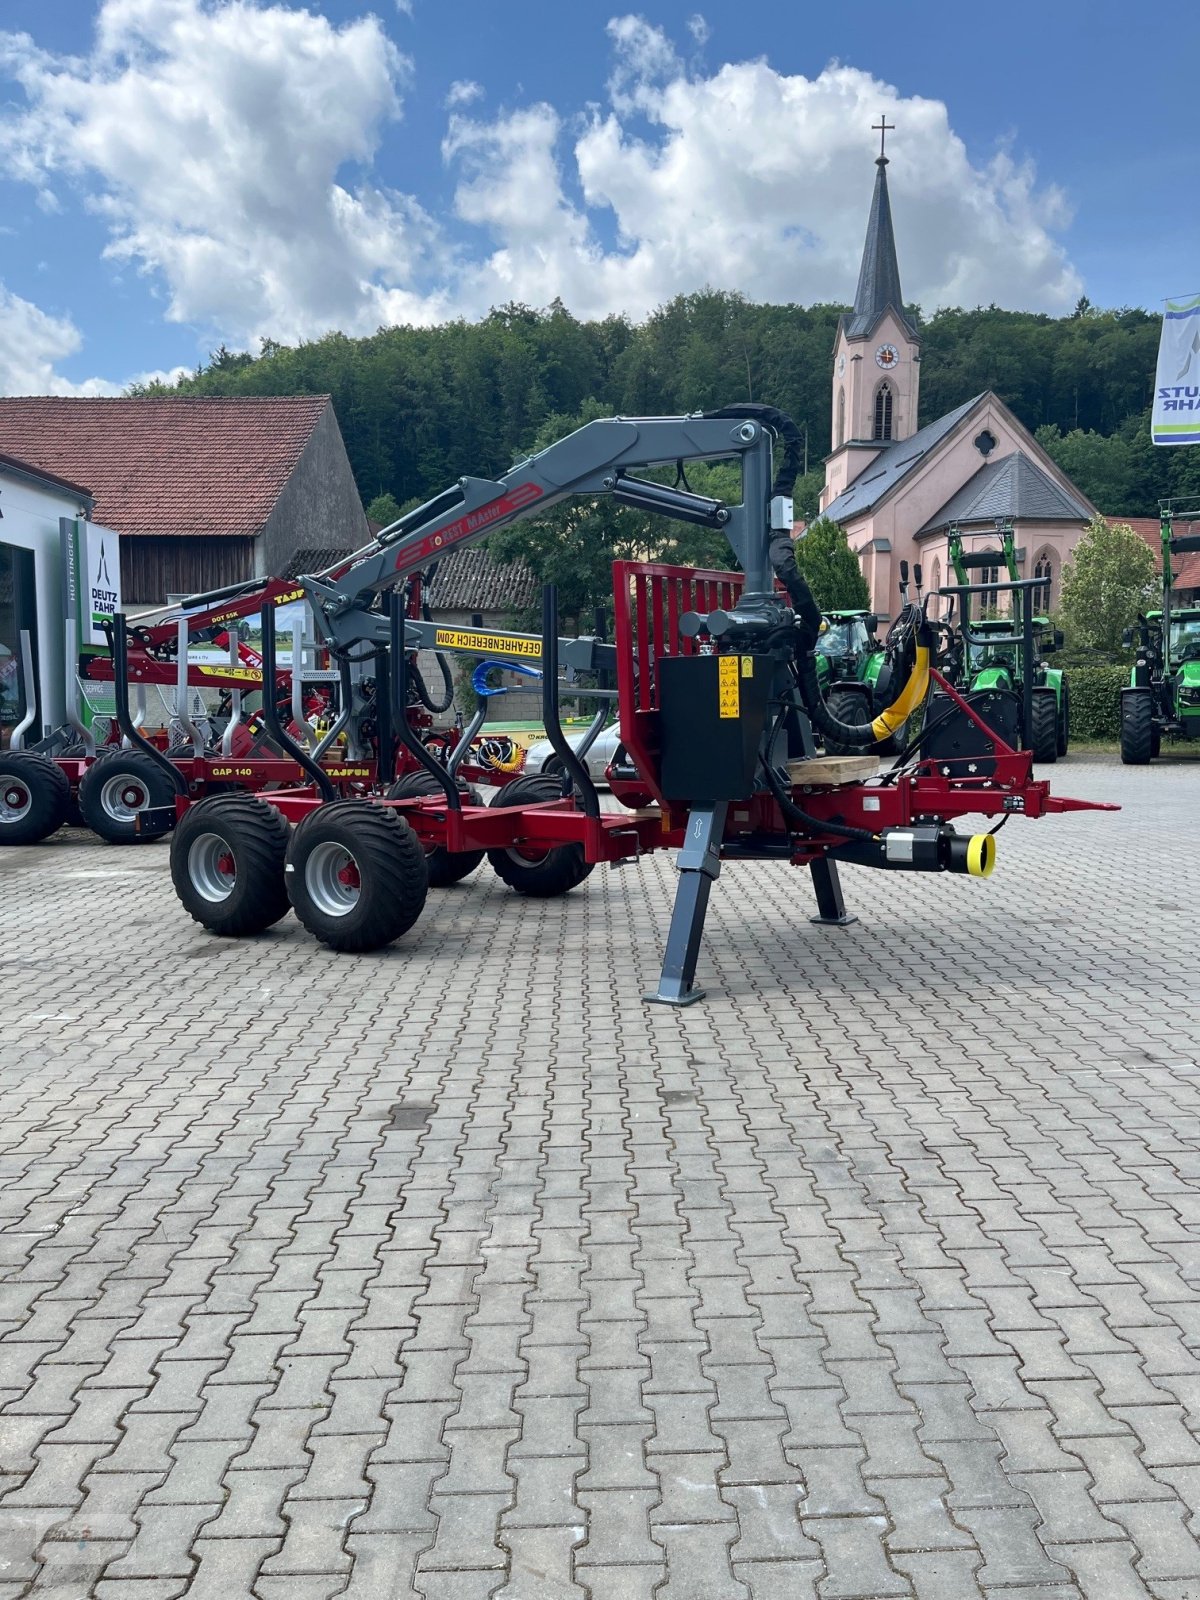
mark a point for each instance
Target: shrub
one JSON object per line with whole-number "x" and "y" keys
{"x": 1096, "y": 701}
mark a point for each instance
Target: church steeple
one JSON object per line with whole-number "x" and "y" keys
{"x": 879, "y": 276}
{"x": 877, "y": 354}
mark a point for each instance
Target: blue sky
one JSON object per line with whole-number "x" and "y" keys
{"x": 185, "y": 172}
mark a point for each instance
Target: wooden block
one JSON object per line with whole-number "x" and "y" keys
{"x": 832, "y": 770}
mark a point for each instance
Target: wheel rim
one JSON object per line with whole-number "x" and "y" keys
{"x": 122, "y": 797}
{"x": 212, "y": 867}
{"x": 332, "y": 879}
{"x": 15, "y": 801}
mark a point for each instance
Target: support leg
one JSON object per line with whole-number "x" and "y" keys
{"x": 699, "y": 863}
{"x": 831, "y": 908}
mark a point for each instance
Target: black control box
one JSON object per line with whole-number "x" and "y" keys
{"x": 713, "y": 711}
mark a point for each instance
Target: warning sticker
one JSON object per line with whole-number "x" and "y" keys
{"x": 238, "y": 674}
{"x": 728, "y": 691}
{"x": 747, "y": 666}
{"x": 501, "y": 644}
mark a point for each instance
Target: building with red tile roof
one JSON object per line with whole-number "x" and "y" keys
{"x": 204, "y": 491}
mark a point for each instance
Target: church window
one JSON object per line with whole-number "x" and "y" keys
{"x": 989, "y": 575}
{"x": 1044, "y": 573}
{"x": 841, "y": 422}
{"x": 985, "y": 442}
{"x": 935, "y": 583}
{"x": 883, "y": 412}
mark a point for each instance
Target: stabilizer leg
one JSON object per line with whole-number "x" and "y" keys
{"x": 699, "y": 864}
{"x": 831, "y": 908}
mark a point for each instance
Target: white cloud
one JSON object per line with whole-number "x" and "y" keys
{"x": 232, "y": 145}
{"x": 32, "y": 343}
{"x": 699, "y": 29}
{"x": 750, "y": 179}
{"x": 219, "y": 138}
{"x": 462, "y": 92}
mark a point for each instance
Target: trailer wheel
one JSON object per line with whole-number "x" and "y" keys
{"x": 539, "y": 871}
{"x": 35, "y": 797}
{"x": 1045, "y": 726}
{"x": 356, "y": 875}
{"x": 847, "y": 706}
{"x": 443, "y": 866}
{"x": 116, "y": 787}
{"x": 227, "y": 859}
{"x": 1064, "y": 719}
{"x": 1137, "y": 729}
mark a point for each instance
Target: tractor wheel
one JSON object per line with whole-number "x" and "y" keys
{"x": 35, "y": 797}
{"x": 1137, "y": 729}
{"x": 116, "y": 787}
{"x": 1064, "y": 719}
{"x": 227, "y": 857}
{"x": 540, "y": 871}
{"x": 847, "y": 706}
{"x": 444, "y": 868}
{"x": 356, "y": 875}
{"x": 1045, "y": 727}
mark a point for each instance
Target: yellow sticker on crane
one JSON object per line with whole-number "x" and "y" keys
{"x": 728, "y": 690}
{"x": 484, "y": 644}
{"x": 747, "y": 666}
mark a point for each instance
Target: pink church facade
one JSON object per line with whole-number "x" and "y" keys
{"x": 897, "y": 489}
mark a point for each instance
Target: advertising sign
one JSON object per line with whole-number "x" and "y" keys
{"x": 91, "y": 565}
{"x": 1176, "y": 416}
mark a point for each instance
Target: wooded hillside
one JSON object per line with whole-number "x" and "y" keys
{"x": 420, "y": 406}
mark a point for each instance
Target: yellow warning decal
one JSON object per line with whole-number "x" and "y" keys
{"x": 240, "y": 674}
{"x": 728, "y": 691}
{"x": 747, "y": 666}
{"x": 483, "y": 644}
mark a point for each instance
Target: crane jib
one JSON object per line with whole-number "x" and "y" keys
{"x": 412, "y": 555}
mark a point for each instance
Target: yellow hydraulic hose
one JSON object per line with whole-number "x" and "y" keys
{"x": 910, "y": 697}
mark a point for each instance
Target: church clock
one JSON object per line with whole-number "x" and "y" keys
{"x": 887, "y": 357}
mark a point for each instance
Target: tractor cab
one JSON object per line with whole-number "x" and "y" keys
{"x": 846, "y": 642}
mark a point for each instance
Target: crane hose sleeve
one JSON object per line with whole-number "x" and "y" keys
{"x": 418, "y": 682}
{"x": 784, "y": 429}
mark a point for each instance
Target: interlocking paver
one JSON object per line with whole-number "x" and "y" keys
{"x": 841, "y": 1284}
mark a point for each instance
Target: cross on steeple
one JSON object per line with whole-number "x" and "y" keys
{"x": 883, "y": 127}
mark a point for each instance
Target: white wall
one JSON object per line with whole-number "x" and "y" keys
{"x": 30, "y": 521}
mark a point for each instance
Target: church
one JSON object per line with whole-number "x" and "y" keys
{"x": 896, "y": 488}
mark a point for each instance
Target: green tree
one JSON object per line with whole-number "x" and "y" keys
{"x": 831, "y": 568}
{"x": 384, "y": 509}
{"x": 1110, "y": 580}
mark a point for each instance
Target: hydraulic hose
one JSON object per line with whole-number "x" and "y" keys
{"x": 418, "y": 682}
{"x": 861, "y": 736}
{"x": 784, "y": 429}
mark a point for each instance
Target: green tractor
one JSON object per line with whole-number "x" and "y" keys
{"x": 1163, "y": 697}
{"x": 989, "y": 655}
{"x": 855, "y": 672}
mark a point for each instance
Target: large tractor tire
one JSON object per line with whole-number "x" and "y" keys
{"x": 847, "y": 706}
{"x": 444, "y": 867}
{"x": 542, "y": 871}
{"x": 356, "y": 875}
{"x": 116, "y": 787}
{"x": 1045, "y": 726}
{"x": 1137, "y": 729}
{"x": 35, "y": 797}
{"x": 1064, "y": 719}
{"x": 227, "y": 860}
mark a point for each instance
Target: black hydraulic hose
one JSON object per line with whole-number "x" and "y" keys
{"x": 858, "y": 735}
{"x": 793, "y": 813}
{"x": 782, "y": 554}
{"x": 418, "y": 682}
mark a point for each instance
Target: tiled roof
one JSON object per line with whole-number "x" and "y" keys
{"x": 1015, "y": 489}
{"x": 1186, "y": 567}
{"x": 469, "y": 580}
{"x": 893, "y": 464}
{"x": 182, "y": 466}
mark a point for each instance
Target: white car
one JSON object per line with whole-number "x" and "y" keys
{"x": 541, "y": 757}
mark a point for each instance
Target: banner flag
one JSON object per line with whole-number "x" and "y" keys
{"x": 1176, "y": 416}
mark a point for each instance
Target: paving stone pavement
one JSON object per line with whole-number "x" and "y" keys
{"x": 456, "y": 1272}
